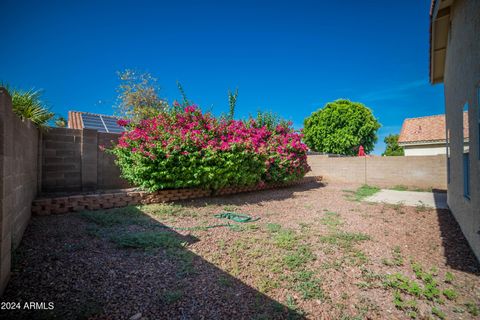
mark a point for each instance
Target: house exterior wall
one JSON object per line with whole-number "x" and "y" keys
{"x": 19, "y": 148}
{"x": 424, "y": 150}
{"x": 461, "y": 82}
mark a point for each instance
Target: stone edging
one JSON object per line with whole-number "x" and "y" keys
{"x": 121, "y": 198}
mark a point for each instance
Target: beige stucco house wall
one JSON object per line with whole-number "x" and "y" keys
{"x": 424, "y": 149}
{"x": 455, "y": 61}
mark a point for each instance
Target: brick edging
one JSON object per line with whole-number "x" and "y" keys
{"x": 122, "y": 198}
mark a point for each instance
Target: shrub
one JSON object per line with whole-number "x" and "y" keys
{"x": 29, "y": 105}
{"x": 191, "y": 149}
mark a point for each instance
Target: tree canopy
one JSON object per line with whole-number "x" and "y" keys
{"x": 341, "y": 127}
{"x": 391, "y": 146}
{"x": 138, "y": 96}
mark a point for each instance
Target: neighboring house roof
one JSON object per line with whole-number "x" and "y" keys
{"x": 100, "y": 122}
{"x": 427, "y": 129}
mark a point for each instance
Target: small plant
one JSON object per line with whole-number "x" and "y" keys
{"x": 285, "y": 239}
{"x": 422, "y": 207}
{"x": 266, "y": 284}
{"x": 450, "y": 294}
{"x": 299, "y": 257}
{"x": 307, "y": 285}
{"x": 449, "y": 277}
{"x": 290, "y": 302}
{"x": 344, "y": 239}
{"x": 397, "y": 258}
{"x": 472, "y": 308}
{"x": 398, "y": 207}
{"x": 363, "y": 192}
{"x": 439, "y": 313}
{"x": 225, "y": 281}
{"x": 400, "y": 282}
{"x": 331, "y": 219}
{"x": 173, "y": 296}
{"x": 273, "y": 227}
{"x": 402, "y": 304}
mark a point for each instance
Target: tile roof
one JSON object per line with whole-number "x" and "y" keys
{"x": 75, "y": 120}
{"x": 427, "y": 129}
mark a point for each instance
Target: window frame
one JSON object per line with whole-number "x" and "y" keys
{"x": 466, "y": 155}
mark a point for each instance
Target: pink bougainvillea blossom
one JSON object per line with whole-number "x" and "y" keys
{"x": 191, "y": 133}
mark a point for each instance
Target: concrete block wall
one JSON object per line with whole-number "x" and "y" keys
{"x": 61, "y": 160}
{"x": 19, "y": 151}
{"x": 72, "y": 161}
{"x": 122, "y": 198}
{"x": 108, "y": 172}
{"x": 413, "y": 171}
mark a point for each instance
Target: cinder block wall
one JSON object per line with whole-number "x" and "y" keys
{"x": 413, "y": 171}
{"x": 61, "y": 160}
{"x": 19, "y": 150}
{"x": 72, "y": 161}
{"x": 108, "y": 171}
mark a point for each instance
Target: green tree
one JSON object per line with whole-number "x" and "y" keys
{"x": 268, "y": 119}
{"x": 61, "y": 122}
{"x": 341, "y": 127}
{"x": 29, "y": 105}
{"x": 391, "y": 146}
{"x": 138, "y": 96}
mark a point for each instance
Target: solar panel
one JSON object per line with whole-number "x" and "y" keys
{"x": 91, "y": 121}
{"x": 101, "y": 123}
{"x": 112, "y": 125}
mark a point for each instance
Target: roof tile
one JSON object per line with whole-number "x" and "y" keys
{"x": 427, "y": 129}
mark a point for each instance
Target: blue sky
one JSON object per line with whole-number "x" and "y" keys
{"x": 290, "y": 57}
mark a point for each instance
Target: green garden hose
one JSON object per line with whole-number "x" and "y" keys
{"x": 237, "y": 217}
{"x": 241, "y": 218}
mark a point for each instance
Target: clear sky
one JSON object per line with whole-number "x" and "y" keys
{"x": 290, "y": 57}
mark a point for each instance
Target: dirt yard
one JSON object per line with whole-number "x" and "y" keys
{"x": 316, "y": 252}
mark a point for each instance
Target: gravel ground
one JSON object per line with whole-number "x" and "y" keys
{"x": 313, "y": 254}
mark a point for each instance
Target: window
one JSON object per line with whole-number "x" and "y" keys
{"x": 466, "y": 154}
{"x": 466, "y": 175}
{"x": 448, "y": 156}
{"x": 478, "y": 120}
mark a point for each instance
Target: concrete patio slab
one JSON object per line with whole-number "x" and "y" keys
{"x": 437, "y": 200}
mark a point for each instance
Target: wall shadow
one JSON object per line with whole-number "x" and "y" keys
{"x": 457, "y": 251}
{"x": 77, "y": 262}
{"x": 254, "y": 197}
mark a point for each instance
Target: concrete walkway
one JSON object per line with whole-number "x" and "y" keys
{"x": 436, "y": 200}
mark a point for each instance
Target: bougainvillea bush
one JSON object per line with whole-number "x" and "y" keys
{"x": 189, "y": 148}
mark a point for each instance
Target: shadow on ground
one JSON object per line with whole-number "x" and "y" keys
{"x": 257, "y": 197}
{"x": 457, "y": 252}
{"x": 102, "y": 265}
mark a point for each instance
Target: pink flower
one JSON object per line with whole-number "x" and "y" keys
{"x": 123, "y": 122}
{"x": 190, "y": 109}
